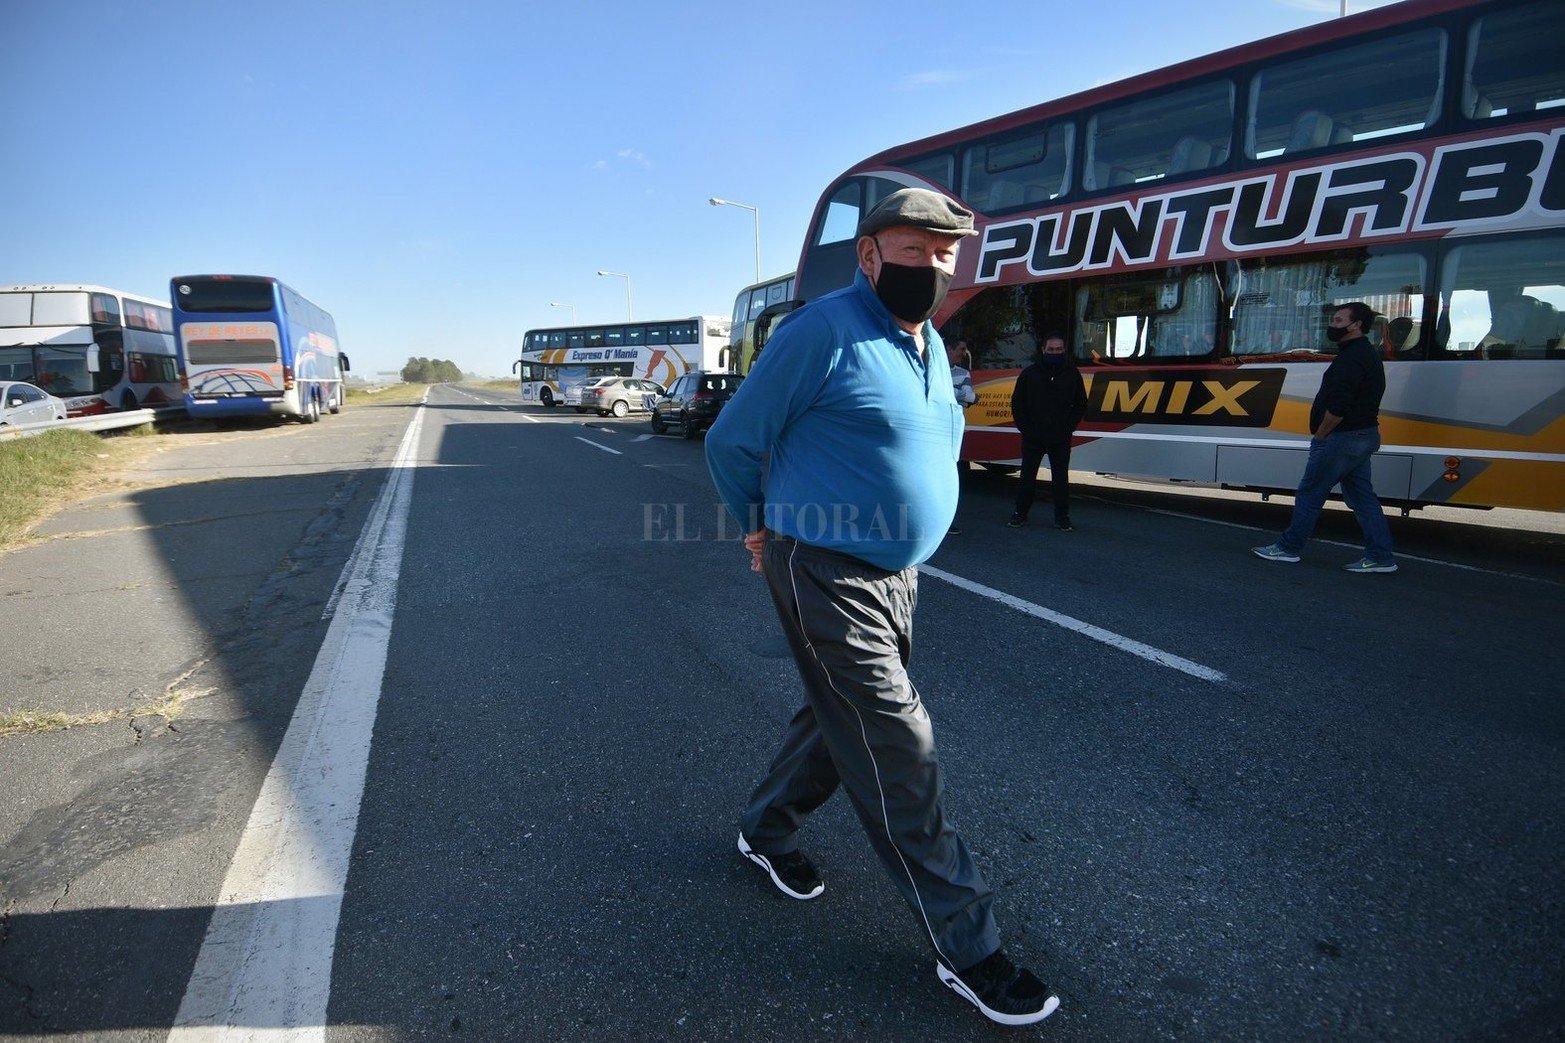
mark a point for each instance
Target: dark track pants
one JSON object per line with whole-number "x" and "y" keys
{"x": 863, "y": 727}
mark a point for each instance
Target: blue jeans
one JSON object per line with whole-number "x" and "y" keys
{"x": 1342, "y": 457}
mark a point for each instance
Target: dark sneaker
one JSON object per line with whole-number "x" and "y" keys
{"x": 1370, "y": 565}
{"x": 1274, "y": 552}
{"x": 1065, "y": 526}
{"x": 793, "y": 874}
{"x": 1004, "y": 992}
{"x": 1017, "y": 521}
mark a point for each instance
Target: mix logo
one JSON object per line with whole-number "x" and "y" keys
{"x": 1224, "y": 399}
{"x": 1510, "y": 182}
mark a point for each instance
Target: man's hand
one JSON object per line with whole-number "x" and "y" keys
{"x": 755, "y": 542}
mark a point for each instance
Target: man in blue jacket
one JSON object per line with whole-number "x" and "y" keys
{"x": 852, "y": 403}
{"x": 1344, "y": 434}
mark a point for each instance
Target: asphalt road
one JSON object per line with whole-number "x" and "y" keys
{"x": 1220, "y": 799}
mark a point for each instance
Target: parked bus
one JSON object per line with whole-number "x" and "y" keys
{"x": 556, "y": 361}
{"x": 252, "y": 346}
{"x": 1190, "y": 232}
{"x": 755, "y": 309}
{"x": 100, "y": 350}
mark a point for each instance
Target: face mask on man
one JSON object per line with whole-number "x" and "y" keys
{"x": 913, "y": 293}
{"x": 1336, "y": 333}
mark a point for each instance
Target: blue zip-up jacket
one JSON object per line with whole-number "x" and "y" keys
{"x": 863, "y": 434}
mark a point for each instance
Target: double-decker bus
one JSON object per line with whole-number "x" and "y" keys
{"x": 100, "y": 350}
{"x": 756, "y": 308}
{"x": 1190, "y": 232}
{"x": 252, "y": 346}
{"x": 556, "y": 361}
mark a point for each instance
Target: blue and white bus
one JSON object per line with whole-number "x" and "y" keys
{"x": 251, "y": 346}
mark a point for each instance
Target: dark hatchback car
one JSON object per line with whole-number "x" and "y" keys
{"x": 693, "y": 401}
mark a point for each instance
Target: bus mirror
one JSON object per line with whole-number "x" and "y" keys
{"x": 342, "y": 360}
{"x": 92, "y": 359}
{"x": 518, "y": 362}
{"x": 768, "y": 318}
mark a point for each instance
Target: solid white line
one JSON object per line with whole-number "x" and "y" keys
{"x": 595, "y": 445}
{"x": 264, "y": 970}
{"x": 1108, "y": 637}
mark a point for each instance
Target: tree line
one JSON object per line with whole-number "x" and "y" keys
{"x": 430, "y": 371}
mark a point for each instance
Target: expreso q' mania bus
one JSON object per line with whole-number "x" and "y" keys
{"x": 99, "y": 349}
{"x": 556, "y": 362}
{"x": 252, "y": 346}
{"x": 1190, "y": 232}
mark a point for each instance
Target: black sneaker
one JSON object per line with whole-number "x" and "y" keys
{"x": 1017, "y": 521}
{"x": 1005, "y": 993}
{"x": 794, "y": 875}
{"x": 1065, "y": 526}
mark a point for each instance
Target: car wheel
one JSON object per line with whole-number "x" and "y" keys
{"x": 603, "y": 412}
{"x": 579, "y": 409}
{"x": 658, "y": 426}
{"x": 686, "y": 428}
{"x": 621, "y": 407}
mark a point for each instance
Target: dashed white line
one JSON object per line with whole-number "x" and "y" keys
{"x": 595, "y": 445}
{"x": 1108, "y": 637}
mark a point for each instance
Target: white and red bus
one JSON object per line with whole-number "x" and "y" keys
{"x": 557, "y": 363}
{"x": 1190, "y": 232}
{"x": 100, "y": 350}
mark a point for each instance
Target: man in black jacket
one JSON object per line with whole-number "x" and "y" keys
{"x": 1048, "y": 403}
{"x": 1344, "y": 434}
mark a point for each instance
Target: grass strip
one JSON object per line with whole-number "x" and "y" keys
{"x": 38, "y": 472}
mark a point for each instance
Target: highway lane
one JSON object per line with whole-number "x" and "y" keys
{"x": 1354, "y": 832}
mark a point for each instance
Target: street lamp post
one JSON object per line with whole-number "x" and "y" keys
{"x": 629, "y": 314}
{"x": 757, "y": 212}
{"x": 560, "y": 304}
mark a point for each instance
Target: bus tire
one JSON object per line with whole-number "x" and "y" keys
{"x": 128, "y": 402}
{"x": 312, "y": 415}
{"x": 546, "y": 397}
{"x": 336, "y": 402}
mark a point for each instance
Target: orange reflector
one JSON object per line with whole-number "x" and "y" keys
{"x": 1452, "y": 463}
{"x": 1451, "y": 476}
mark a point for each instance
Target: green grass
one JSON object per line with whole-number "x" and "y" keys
{"x": 37, "y": 472}
{"x": 394, "y": 393}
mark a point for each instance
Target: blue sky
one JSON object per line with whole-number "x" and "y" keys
{"x": 435, "y": 174}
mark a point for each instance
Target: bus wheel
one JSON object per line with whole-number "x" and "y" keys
{"x": 313, "y": 414}
{"x": 129, "y": 401}
{"x": 546, "y": 397}
{"x": 336, "y": 402}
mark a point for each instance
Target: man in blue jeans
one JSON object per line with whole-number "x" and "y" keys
{"x": 1344, "y": 434}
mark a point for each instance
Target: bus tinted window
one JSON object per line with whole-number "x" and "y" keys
{"x": 1285, "y": 304}
{"x": 842, "y": 214}
{"x": 1505, "y": 300}
{"x": 1347, "y": 94}
{"x": 106, "y": 309}
{"x": 1151, "y": 316}
{"x": 1177, "y": 132}
{"x": 60, "y": 309}
{"x": 1513, "y": 62}
{"x": 226, "y": 295}
{"x": 939, "y": 168}
{"x": 1018, "y": 170}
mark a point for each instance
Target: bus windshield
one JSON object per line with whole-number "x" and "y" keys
{"x": 226, "y": 295}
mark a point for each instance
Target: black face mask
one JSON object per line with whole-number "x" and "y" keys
{"x": 1336, "y": 333}
{"x": 912, "y": 294}
{"x": 1053, "y": 360}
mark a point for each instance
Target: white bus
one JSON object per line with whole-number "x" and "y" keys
{"x": 556, "y": 361}
{"x": 100, "y": 350}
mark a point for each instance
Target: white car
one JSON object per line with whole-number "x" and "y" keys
{"x": 25, "y": 404}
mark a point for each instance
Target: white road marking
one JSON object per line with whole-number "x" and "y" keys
{"x": 641, "y": 438}
{"x": 264, "y": 970}
{"x": 1108, "y": 637}
{"x": 595, "y": 445}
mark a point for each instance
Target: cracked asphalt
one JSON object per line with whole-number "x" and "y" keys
{"x": 1358, "y": 834}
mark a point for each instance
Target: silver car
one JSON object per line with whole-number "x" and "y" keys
{"x": 22, "y": 403}
{"x": 619, "y": 396}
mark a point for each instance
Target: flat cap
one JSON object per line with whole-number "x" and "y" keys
{"x": 919, "y": 208}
